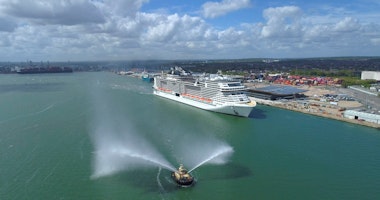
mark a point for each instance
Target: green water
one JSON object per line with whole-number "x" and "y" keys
{"x": 48, "y": 126}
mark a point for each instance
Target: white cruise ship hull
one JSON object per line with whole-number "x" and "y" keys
{"x": 242, "y": 110}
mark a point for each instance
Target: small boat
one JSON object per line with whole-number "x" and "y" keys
{"x": 145, "y": 76}
{"x": 182, "y": 177}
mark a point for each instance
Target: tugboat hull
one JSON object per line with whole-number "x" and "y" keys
{"x": 185, "y": 182}
{"x": 182, "y": 177}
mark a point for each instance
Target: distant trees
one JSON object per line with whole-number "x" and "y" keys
{"x": 348, "y": 81}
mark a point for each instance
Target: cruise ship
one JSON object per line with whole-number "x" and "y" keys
{"x": 214, "y": 94}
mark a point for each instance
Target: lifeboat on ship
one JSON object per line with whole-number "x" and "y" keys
{"x": 182, "y": 177}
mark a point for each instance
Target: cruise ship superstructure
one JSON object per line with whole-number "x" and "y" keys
{"x": 219, "y": 95}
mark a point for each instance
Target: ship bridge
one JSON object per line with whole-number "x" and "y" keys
{"x": 230, "y": 87}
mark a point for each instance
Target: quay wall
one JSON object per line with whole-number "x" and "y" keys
{"x": 321, "y": 110}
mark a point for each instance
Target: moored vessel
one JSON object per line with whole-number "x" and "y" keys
{"x": 145, "y": 76}
{"x": 218, "y": 94}
{"x": 44, "y": 70}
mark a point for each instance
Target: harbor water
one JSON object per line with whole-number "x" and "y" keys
{"x": 103, "y": 136}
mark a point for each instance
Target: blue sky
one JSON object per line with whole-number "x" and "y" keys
{"x": 80, "y": 30}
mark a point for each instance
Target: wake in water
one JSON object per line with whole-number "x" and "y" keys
{"x": 141, "y": 89}
{"x": 29, "y": 114}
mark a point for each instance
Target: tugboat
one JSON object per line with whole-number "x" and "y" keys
{"x": 182, "y": 177}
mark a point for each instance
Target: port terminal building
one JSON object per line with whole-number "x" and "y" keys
{"x": 276, "y": 92}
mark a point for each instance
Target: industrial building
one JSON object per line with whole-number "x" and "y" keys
{"x": 370, "y": 75}
{"x": 274, "y": 92}
{"x": 352, "y": 114}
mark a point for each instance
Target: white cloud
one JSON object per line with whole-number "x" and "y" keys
{"x": 120, "y": 30}
{"x": 7, "y": 25}
{"x": 282, "y": 22}
{"x": 216, "y": 9}
{"x": 68, "y": 12}
{"x": 375, "y": 41}
{"x": 175, "y": 28}
{"x": 124, "y": 8}
{"x": 288, "y": 31}
{"x": 348, "y": 24}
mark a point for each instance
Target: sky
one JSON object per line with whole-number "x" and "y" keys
{"x": 100, "y": 30}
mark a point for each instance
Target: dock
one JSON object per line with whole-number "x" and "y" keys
{"x": 315, "y": 104}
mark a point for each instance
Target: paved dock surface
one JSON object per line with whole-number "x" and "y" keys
{"x": 334, "y": 110}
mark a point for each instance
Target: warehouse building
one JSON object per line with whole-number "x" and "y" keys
{"x": 352, "y": 114}
{"x": 370, "y": 75}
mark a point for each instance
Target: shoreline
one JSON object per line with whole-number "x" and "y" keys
{"x": 314, "y": 109}
{"x": 316, "y": 103}
{"x": 311, "y": 107}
